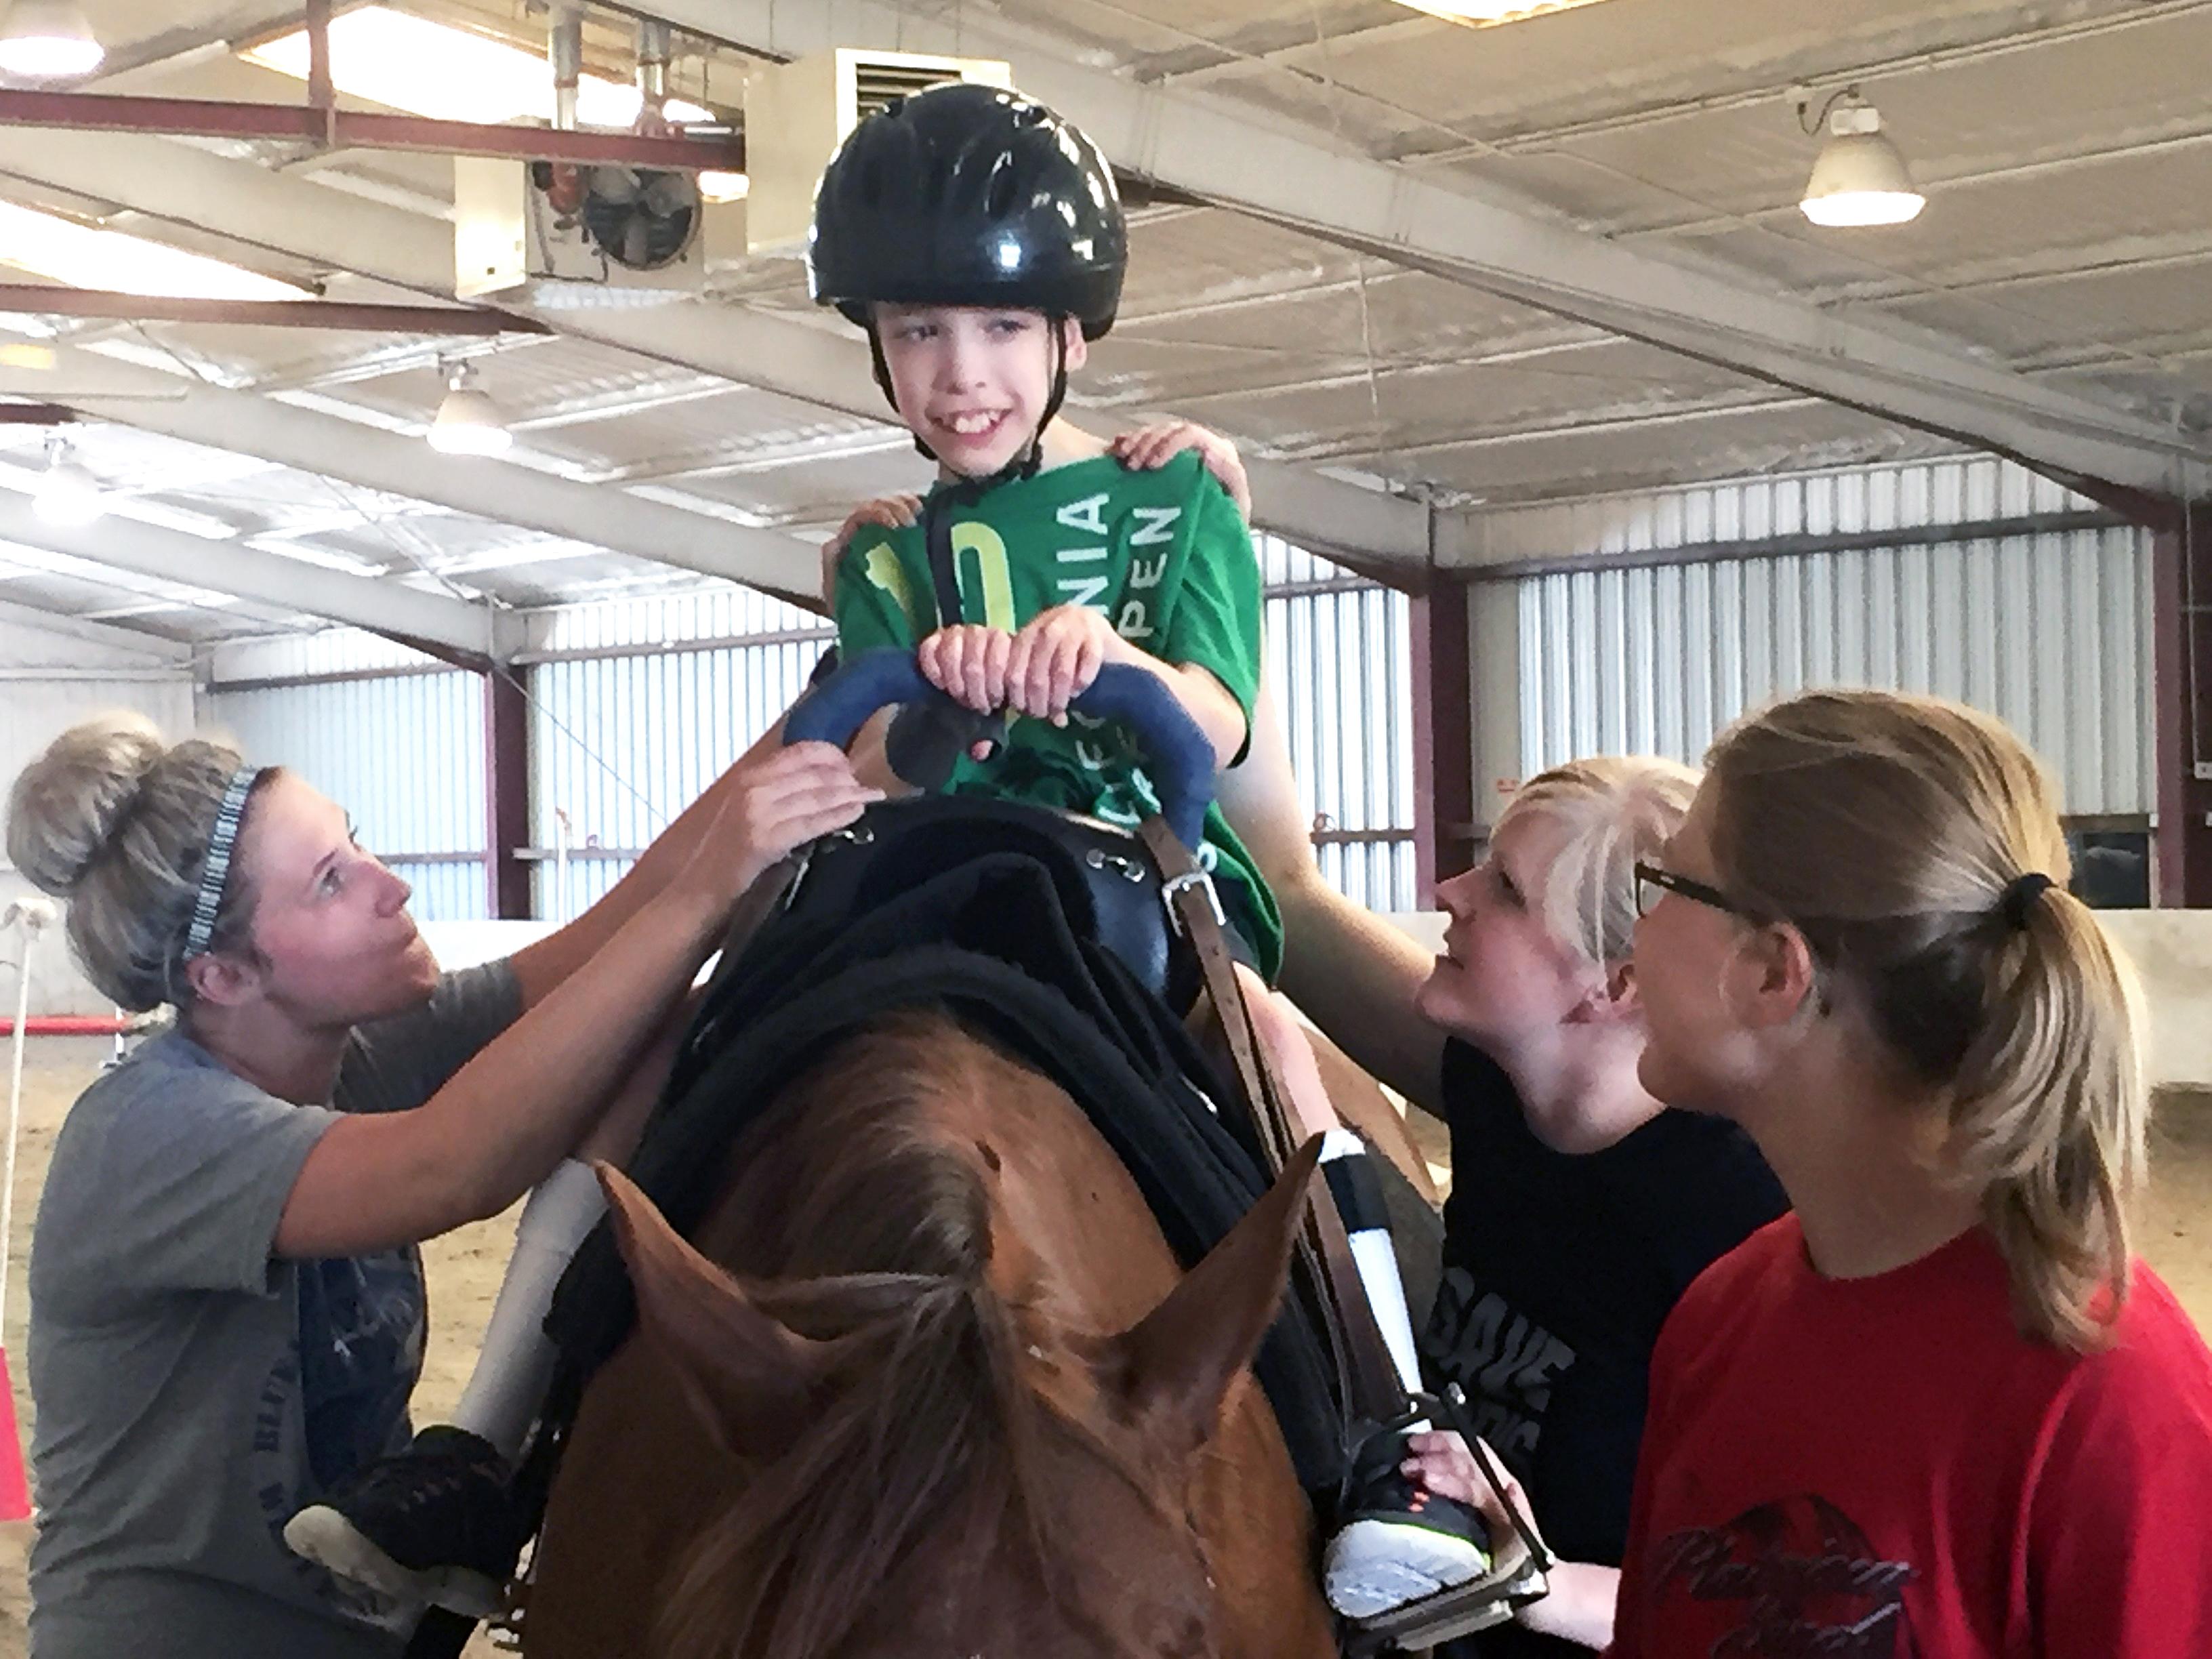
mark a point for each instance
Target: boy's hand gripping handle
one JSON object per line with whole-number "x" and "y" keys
{"x": 1178, "y": 758}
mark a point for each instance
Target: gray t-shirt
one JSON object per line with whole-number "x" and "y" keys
{"x": 192, "y": 1391}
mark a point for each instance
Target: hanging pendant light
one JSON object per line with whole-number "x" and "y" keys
{"x": 1860, "y": 177}
{"x": 66, "y": 493}
{"x": 468, "y": 423}
{"x": 48, "y": 40}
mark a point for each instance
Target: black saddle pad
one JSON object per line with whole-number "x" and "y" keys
{"x": 991, "y": 938}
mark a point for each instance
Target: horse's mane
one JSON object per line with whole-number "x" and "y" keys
{"x": 929, "y": 1443}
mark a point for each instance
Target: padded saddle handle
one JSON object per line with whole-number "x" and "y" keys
{"x": 1178, "y": 757}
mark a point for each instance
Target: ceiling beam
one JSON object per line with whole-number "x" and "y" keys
{"x": 156, "y": 651}
{"x": 37, "y": 298}
{"x": 425, "y": 620}
{"x": 1303, "y": 178}
{"x": 347, "y": 129}
{"x": 825, "y": 367}
{"x": 247, "y": 423}
{"x": 250, "y": 202}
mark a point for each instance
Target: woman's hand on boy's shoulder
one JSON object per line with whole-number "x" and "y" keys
{"x": 890, "y": 511}
{"x": 1155, "y": 446}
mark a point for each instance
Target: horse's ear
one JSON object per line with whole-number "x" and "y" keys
{"x": 746, "y": 1375}
{"x": 1173, "y": 1369}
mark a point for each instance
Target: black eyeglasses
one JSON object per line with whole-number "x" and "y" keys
{"x": 1651, "y": 881}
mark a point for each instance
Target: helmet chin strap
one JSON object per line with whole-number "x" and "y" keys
{"x": 1024, "y": 465}
{"x": 890, "y": 397}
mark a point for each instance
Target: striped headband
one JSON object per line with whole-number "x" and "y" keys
{"x": 217, "y": 871}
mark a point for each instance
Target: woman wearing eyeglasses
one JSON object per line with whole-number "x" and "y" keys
{"x": 1580, "y": 1207}
{"x": 1939, "y": 1408}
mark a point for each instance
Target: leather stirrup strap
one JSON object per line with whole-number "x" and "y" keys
{"x": 1372, "y": 1392}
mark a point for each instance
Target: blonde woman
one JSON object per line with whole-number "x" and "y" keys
{"x": 226, "y": 1305}
{"x": 1580, "y": 1207}
{"x": 1941, "y": 1408}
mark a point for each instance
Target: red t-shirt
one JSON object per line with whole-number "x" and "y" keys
{"x": 1884, "y": 1468}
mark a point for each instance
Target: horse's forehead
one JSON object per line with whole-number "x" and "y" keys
{"x": 1129, "y": 1609}
{"x": 1127, "y": 1580}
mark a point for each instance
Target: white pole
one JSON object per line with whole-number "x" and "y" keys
{"x": 30, "y": 916}
{"x": 560, "y": 906}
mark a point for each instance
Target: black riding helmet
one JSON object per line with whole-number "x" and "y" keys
{"x": 969, "y": 196}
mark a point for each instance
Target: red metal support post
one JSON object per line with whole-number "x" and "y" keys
{"x": 1443, "y": 733}
{"x": 507, "y": 794}
{"x": 322, "y": 95}
{"x": 2181, "y": 622}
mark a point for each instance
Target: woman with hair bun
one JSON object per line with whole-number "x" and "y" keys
{"x": 227, "y": 1303}
{"x": 1941, "y": 1408}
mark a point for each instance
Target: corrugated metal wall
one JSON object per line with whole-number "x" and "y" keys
{"x": 623, "y": 742}
{"x": 1340, "y": 664}
{"x": 404, "y": 754}
{"x": 718, "y": 614}
{"x": 327, "y": 652}
{"x": 637, "y": 705}
{"x": 2049, "y": 631}
{"x": 1910, "y": 495}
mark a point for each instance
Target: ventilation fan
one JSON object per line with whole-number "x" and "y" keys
{"x": 578, "y": 235}
{"x": 640, "y": 219}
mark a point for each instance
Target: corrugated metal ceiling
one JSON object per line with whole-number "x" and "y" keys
{"x": 2066, "y": 150}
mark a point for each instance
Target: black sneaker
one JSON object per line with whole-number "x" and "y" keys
{"x": 434, "y": 1523}
{"x": 1399, "y": 1542}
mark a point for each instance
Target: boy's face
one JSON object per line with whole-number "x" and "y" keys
{"x": 972, "y": 383}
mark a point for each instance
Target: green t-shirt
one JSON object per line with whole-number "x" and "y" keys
{"x": 1163, "y": 554}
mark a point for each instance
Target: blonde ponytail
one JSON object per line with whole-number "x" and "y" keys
{"x": 2048, "y": 1112}
{"x": 1915, "y": 845}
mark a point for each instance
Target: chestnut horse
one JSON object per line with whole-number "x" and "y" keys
{"x": 932, "y": 1385}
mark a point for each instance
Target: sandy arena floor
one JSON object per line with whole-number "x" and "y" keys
{"x": 465, "y": 1267}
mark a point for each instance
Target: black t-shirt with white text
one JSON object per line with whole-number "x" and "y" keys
{"x": 1558, "y": 1270}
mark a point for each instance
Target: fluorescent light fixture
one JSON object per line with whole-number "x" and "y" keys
{"x": 1482, "y": 14}
{"x": 83, "y": 257}
{"x": 66, "y": 493}
{"x": 48, "y": 40}
{"x": 468, "y": 422}
{"x": 411, "y": 64}
{"x": 1860, "y": 177}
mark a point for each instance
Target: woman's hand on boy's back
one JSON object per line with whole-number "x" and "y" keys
{"x": 1155, "y": 446}
{"x": 886, "y": 512}
{"x": 1141, "y": 451}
